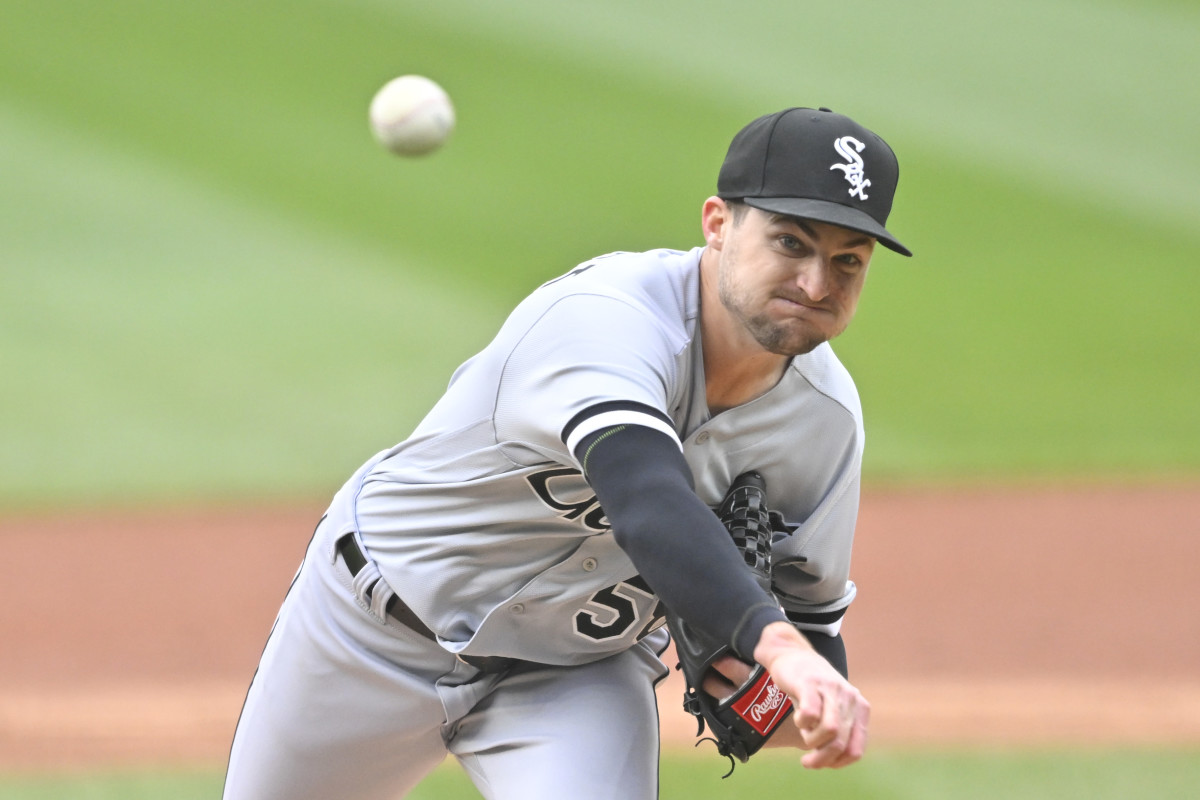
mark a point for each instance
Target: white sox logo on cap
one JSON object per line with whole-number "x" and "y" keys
{"x": 849, "y": 148}
{"x": 780, "y": 163}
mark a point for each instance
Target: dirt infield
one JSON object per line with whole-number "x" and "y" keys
{"x": 1023, "y": 616}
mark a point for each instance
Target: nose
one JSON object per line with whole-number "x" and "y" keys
{"x": 814, "y": 278}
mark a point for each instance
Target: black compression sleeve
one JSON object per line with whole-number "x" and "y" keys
{"x": 677, "y": 543}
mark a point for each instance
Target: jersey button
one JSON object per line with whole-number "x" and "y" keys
{"x": 589, "y": 564}
{"x": 702, "y": 438}
{"x": 517, "y": 608}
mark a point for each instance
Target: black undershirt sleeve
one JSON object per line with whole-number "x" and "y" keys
{"x": 675, "y": 541}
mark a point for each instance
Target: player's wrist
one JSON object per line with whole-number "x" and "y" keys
{"x": 777, "y": 639}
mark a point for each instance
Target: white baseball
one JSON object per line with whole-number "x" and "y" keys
{"x": 411, "y": 115}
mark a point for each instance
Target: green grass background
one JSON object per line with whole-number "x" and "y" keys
{"x": 215, "y": 287}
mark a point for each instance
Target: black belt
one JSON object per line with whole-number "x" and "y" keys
{"x": 396, "y": 609}
{"x": 399, "y": 611}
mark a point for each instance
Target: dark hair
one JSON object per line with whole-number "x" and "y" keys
{"x": 738, "y": 209}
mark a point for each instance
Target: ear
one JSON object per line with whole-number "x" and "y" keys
{"x": 715, "y": 220}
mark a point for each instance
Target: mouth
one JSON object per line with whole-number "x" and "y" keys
{"x": 803, "y": 305}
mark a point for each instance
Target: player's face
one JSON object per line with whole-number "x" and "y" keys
{"x": 792, "y": 283}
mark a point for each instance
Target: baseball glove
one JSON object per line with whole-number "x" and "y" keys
{"x": 741, "y": 723}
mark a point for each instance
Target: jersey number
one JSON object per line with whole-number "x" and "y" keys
{"x": 616, "y": 611}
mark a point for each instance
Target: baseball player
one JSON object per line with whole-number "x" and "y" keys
{"x": 494, "y": 586}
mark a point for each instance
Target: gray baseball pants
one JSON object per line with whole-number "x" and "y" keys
{"x": 346, "y": 706}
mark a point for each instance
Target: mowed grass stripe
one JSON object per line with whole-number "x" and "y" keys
{"x": 1091, "y": 101}
{"x": 270, "y": 101}
{"x": 164, "y": 339}
{"x": 215, "y": 182}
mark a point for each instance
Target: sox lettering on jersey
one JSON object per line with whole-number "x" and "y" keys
{"x": 586, "y": 509}
{"x": 613, "y": 611}
{"x": 849, "y": 148}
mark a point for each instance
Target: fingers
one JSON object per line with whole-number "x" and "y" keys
{"x": 810, "y": 711}
{"x": 833, "y": 722}
{"x": 857, "y": 745}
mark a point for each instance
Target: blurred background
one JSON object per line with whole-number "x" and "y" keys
{"x": 216, "y": 290}
{"x": 215, "y": 283}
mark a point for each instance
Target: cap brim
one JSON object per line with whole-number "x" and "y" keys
{"x": 833, "y": 213}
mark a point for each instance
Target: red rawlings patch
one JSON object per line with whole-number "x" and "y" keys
{"x": 764, "y": 705}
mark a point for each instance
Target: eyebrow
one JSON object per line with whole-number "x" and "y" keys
{"x": 804, "y": 226}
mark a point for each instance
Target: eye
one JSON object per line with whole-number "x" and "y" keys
{"x": 789, "y": 242}
{"x": 849, "y": 261}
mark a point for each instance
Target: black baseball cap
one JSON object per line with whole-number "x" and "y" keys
{"x": 814, "y": 164}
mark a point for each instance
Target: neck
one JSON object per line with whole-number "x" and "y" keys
{"x": 734, "y": 382}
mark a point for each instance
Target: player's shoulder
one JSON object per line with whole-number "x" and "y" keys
{"x": 664, "y": 281}
{"x": 638, "y": 298}
{"x": 825, "y": 372}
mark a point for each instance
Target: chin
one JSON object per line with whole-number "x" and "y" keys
{"x": 793, "y": 341}
{"x": 792, "y": 346}
{"x": 801, "y": 349}
{"x": 789, "y": 337}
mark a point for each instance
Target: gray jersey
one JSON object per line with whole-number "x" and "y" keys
{"x": 483, "y": 524}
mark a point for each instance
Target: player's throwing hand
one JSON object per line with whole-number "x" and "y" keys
{"x": 831, "y": 715}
